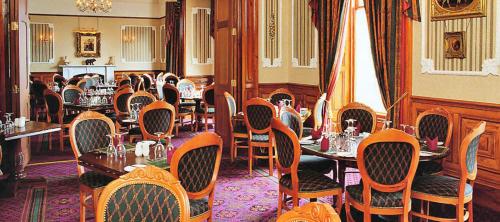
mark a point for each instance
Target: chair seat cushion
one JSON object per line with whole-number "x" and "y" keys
{"x": 443, "y": 186}
{"x": 379, "y": 199}
{"x": 240, "y": 128}
{"x": 316, "y": 163}
{"x": 135, "y": 131}
{"x": 198, "y": 207}
{"x": 260, "y": 138}
{"x": 429, "y": 168}
{"x": 94, "y": 180}
{"x": 310, "y": 181}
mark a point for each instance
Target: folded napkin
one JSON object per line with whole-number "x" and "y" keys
{"x": 409, "y": 130}
{"x": 325, "y": 144}
{"x": 316, "y": 134}
{"x": 431, "y": 144}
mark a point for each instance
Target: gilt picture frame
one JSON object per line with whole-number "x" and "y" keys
{"x": 457, "y": 9}
{"x": 88, "y": 44}
{"x": 454, "y": 45}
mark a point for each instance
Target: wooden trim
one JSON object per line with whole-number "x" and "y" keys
{"x": 456, "y": 103}
{"x": 93, "y": 16}
{"x": 149, "y": 175}
{"x": 157, "y": 105}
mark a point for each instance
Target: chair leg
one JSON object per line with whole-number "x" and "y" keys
{"x": 231, "y": 149}
{"x": 460, "y": 212}
{"x": 339, "y": 202}
{"x": 348, "y": 210}
{"x": 61, "y": 140}
{"x": 206, "y": 122}
{"x": 250, "y": 158}
{"x": 295, "y": 201}
{"x": 280, "y": 202}
{"x": 470, "y": 209}
{"x": 82, "y": 206}
{"x": 270, "y": 156}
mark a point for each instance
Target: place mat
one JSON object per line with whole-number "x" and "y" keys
{"x": 161, "y": 163}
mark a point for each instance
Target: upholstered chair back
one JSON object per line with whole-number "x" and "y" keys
{"x": 170, "y": 78}
{"x": 142, "y": 97}
{"x": 292, "y": 119}
{"x": 364, "y": 116}
{"x": 71, "y": 94}
{"x": 120, "y": 100}
{"x": 468, "y": 152}
{"x": 287, "y": 147}
{"x": 435, "y": 123}
{"x": 156, "y": 117}
{"x": 258, "y": 115}
{"x": 54, "y": 106}
{"x": 276, "y": 96}
{"x": 171, "y": 95}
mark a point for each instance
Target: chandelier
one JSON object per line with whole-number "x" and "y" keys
{"x": 94, "y": 5}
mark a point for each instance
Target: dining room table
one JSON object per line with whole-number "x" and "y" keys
{"x": 13, "y": 162}
{"x": 85, "y": 107}
{"x": 115, "y": 166}
{"x": 348, "y": 159}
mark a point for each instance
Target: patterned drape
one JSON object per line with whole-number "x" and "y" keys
{"x": 174, "y": 38}
{"x": 330, "y": 18}
{"x": 412, "y": 9}
{"x": 387, "y": 28}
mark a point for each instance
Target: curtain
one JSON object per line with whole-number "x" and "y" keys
{"x": 386, "y": 23}
{"x": 330, "y": 18}
{"x": 174, "y": 38}
{"x": 212, "y": 18}
{"x": 412, "y": 9}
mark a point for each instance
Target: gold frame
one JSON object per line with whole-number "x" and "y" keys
{"x": 449, "y": 51}
{"x": 79, "y": 50}
{"x": 477, "y": 8}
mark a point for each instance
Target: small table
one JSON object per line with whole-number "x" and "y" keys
{"x": 13, "y": 164}
{"x": 111, "y": 166}
{"x": 348, "y": 161}
{"x": 97, "y": 108}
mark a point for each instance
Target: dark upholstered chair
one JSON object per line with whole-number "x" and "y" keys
{"x": 37, "y": 101}
{"x": 148, "y": 82}
{"x": 55, "y": 114}
{"x": 125, "y": 80}
{"x": 292, "y": 119}
{"x": 433, "y": 123}
{"x": 258, "y": 114}
{"x": 59, "y": 80}
{"x": 156, "y": 117}
{"x": 237, "y": 128}
{"x": 120, "y": 105}
{"x": 207, "y": 111}
{"x": 387, "y": 161}
{"x": 170, "y": 78}
{"x": 71, "y": 94}
{"x": 171, "y": 96}
{"x": 364, "y": 116}
{"x": 196, "y": 165}
{"x": 450, "y": 190}
{"x": 87, "y": 133}
{"x": 277, "y": 95}
{"x": 145, "y": 194}
{"x": 292, "y": 181}
{"x": 311, "y": 212}
{"x": 144, "y": 98}
{"x": 74, "y": 80}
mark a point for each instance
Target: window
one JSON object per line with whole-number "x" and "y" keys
{"x": 304, "y": 36}
{"x": 202, "y": 41}
{"x": 366, "y": 88}
{"x": 42, "y": 43}
{"x": 138, "y": 44}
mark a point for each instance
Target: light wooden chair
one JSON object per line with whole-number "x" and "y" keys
{"x": 87, "y": 133}
{"x": 54, "y": 107}
{"x": 237, "y": 128}
{"x": 258, "y": 114}
{"x": 144, "y": 98}
{"x": 171, "y": 96}
{"x": 311, "y": 212}
{"x": 277, "y": 95}
{"x": 450, "y": 190}
{"x": 196, "y": 165}
{"x": 145, "y": 194}
{"x": 158, "y": 116}
{"x": 387, "y": 161}
{"x": 363, "y": 114}
{"x": 292, "y": 181}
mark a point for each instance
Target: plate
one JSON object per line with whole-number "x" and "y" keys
{"x": 129, "y": 168}
{"x": 306, "y": 142}
{"x": 426, "y": 153}
{"x": 439, "y": 143}
{"x": 128, "y": 120}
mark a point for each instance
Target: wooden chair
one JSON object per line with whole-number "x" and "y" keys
{"x": 171, "y": 78}
{"x": 171, "y": 96}
{"x": 258, "y": 114}
{"x": 120, "y": 104}
{"x": 185, "y": 84}
{"x": 82, "y": 84}
{"x": 208, "y": 110}
{"x": 450, "y": 190}
{"x": 311, "y": 212}
{"x": 196, "y": 165}
{"x": 364, "y": 116}
{"x": 125, "y": 80}
{"x": 147, "y": 82}
{"x": 59, "y": 80}
{"x": 292, "y": 119}
{"x": 292, "y": 181}
{"x": 387, "y": 161}
{"x": 55, "y": 114}
{"x": 145, "y": 194}
{"x": 237, "y": 128}
{"x": 134, "y": 80}
{"x": 158, "y": 116}
{"x": 37, "y": 100}
{"x": 126, "y": 86}
{"x": 139, "y": 86}
{"x": 73, "y": 80}
{"x": 277, "y": 95}
{"x": 433, "y": 123}
{"x": 71, "y": 94}
{"x": 87, "y": 133}
{"x": 144, "y": 98}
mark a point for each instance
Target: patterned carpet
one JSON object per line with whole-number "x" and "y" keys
{"x": 238, "y": 196}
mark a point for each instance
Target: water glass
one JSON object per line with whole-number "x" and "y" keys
{"x": 159, "y": 150}
{"x": 111, "y": 150}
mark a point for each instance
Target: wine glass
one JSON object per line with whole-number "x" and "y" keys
{"x": 110, "y": 150}
{"x": 8, "y": 120}
{"x": 159, "y": 148}
{"x": 120, "y": 148}
{"x": 387, "y": 124}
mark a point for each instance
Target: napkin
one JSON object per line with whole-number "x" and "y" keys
{"x": 431, "y": 144}
{"x": 357, "y": 131}
{"x": 316, "y": 134}
{"x": 409, "y": 130}
{"x": 325, "y": 144}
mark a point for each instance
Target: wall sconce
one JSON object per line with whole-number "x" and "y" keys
{"x": 45, "y": 38}
{"x": 128, "y": 39}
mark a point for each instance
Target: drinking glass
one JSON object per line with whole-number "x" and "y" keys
{"x": 159, "y": 148}
{"x": 8, "y": 120}
{"x": 110, "y": 150}
{"x": 387, "y": 124}
{"x": 120, "y": 148}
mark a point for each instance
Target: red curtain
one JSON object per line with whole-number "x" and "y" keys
{"x": 174, "y": 34}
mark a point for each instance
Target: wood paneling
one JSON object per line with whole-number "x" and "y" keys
{"x": 203, "y": 80}
{"x": 465, "y": 116}
{"x": 305, "y": 95}
{"x": 45, "y": 77}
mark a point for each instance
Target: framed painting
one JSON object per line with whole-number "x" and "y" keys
{"x": 457, "y": 9}
{"x": 88, "y": 44}
{"x": 454, "y": 45}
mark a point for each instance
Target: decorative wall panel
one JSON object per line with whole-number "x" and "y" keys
{"x": 138, "y": 44}
{"x": 42, "y": 43}
{"x": 271, "y": 31}
{"x": 304, "y": 36}
{"x": 202, "y": 41}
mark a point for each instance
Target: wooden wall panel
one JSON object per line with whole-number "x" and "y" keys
{"x": 306, "y": 95}
{"x": 465, "y": 116}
